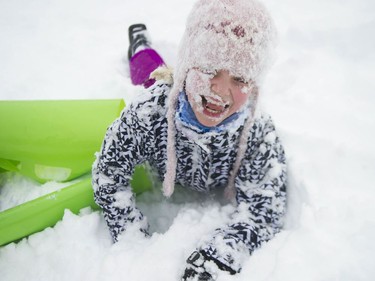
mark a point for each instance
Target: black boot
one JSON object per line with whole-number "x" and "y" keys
{"x": 137, "y": 38}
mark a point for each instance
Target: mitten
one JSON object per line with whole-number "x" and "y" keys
{"x": 163, "y": 73}
{"x": 196, "y": 268}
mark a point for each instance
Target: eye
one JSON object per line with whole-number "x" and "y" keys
{"x": 239, "y": 80}
{"x": 212, "y": 72}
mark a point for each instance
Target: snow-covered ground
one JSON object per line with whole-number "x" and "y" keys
{"x": 320, "y": 93}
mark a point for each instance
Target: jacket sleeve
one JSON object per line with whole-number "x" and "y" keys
{"x": 261, "y": 200}
{"x": 122, "y": 149}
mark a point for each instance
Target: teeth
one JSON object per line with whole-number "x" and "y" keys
{"x": 219, "y": 107}
{"x": 213, "y": 110}
{"x": 217, "y": 102}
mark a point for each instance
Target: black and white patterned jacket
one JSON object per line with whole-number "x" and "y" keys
{"x": 203, "y": 164}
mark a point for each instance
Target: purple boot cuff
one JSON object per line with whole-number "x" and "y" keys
{"x": 142, "y": 64}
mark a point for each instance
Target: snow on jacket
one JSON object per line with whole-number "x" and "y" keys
{"x": 203, "y": 164}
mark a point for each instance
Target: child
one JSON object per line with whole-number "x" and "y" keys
{"x": 203, "y": 132}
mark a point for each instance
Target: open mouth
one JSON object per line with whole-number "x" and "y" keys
{"x": 213, "y": 107}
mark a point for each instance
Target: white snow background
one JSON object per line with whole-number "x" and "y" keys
{"x": 320, "y": 93}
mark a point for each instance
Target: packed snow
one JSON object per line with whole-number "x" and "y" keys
{"x": 319, "y": 92}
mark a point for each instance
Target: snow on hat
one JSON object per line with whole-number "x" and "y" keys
{"x": 233, "y": 35}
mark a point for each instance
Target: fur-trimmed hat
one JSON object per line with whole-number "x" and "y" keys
{"x": 233, "y": 35}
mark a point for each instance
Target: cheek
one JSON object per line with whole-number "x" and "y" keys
{"x": 197, "y": 84}
{"x": 239, "y": 98}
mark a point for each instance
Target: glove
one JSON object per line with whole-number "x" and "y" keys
{"x": 190, "y": 275}
{"x": 195, "y": 269}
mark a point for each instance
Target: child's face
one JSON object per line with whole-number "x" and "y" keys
{"x": 214, "y": 96}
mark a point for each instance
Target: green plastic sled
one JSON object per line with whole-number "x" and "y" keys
{"x": 54, "y": 140}
{"x": 46, "y": 211}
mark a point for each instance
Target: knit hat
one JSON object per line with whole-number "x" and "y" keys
{"x": 233, "y": 35}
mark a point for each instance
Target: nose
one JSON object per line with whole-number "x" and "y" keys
{"x": 221, "y": 86}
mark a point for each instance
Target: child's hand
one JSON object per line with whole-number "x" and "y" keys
{"x": 190, "y": 275}
{"x": 196, "y": 270}
{"x": 163, "y": 73}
